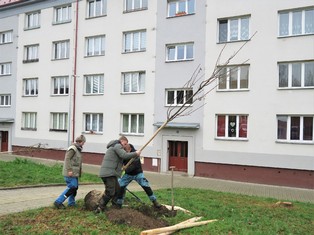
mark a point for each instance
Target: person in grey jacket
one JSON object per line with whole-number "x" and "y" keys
{"x": 111, "y": 169}
{"x": 72, "y": 169}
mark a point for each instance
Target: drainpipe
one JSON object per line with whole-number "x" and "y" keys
{"x": 75, "y": 69}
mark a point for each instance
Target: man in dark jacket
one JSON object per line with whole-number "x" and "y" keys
{"x": 111, "y": 169}
{"x": 134, "y": 172}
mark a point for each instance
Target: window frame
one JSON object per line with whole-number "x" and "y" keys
{"x": 94, "y": 4}
{"x": 286, "y": 75}
{"x": 5, "y": 69}
{"x": 226, "y": 131}
{"x": 289, "y": 24}
{"x": 30, "y": 84}
{"x": 95, "y": 78}
{"x": 239, "y": 69}
{"x": 175, "y": 96}
{"x": 91, "y": 42}
{"x": 89, "y": 117}
{"x": 59, "y": 121}
{"x": 5, "y": 100}
{"x": 182, "y": 8}
{"x": 61, "y": 50}
{"x": 139, "y": 77}
{"x": 31, "y": 53}
{"x": 140, "y": 124}
{"x": 59, "y": 81}
{"x": 6, "y": 37}
{"x": 32, "y": 20}
{"x": 229, "y": 31}
{"x": 60, "y": 18}
{"x": 142, "y": 41}
{"x": 285, "y": 129}
{"x": 143, "y": 6}
{"x": 29, "y": 121}
{"x": 176, "y": 47}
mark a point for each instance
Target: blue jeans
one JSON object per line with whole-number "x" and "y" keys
{"x": 141, "y": 180}
{"x": 70, "y": 192}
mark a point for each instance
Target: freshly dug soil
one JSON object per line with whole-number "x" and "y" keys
{"x": 132, "y": 213}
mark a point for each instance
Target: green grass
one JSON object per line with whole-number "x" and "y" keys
{"x": 21, "y": 172}
{"x": 236, "y": 214}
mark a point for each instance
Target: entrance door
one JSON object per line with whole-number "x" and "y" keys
{"x": 4, "y": 138}
{"x": 178, "y": 155}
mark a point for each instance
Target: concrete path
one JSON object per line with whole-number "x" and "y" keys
{"x": 20, "y": 199}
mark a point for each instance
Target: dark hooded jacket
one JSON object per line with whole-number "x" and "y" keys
{"x": 135, "y": 167}
{"x": 113, "y": 159}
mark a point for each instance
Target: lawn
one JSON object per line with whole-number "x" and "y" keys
{"x": 236, "y": 214}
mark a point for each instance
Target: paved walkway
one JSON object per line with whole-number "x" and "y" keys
{"x": 20, "y": 199}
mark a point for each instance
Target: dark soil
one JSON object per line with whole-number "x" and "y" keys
{"x": 141, "y": 216}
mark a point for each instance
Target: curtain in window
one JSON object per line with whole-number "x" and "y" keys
{"x": 222, "y": 78}
{"x": 244, "y": 29}
{"x": 133, "y": 123}
{"x": 88, "y": 84}
{"x": 296, "y": 75}
{"x": 233, "y": 80}
{"x": 126, "y": 82}
{"x": 143, "y": 40}
{"x": 223, "y": 30}
{"x": 136, "y": 42}
{"x": 309, "y": 21}
{"x": 180, "y": 52}
{"x": 283, "y": 75}
{"x": 284, "y": 24}
{"x": 127, "y": 42}
{"x": 221, "y": 126}
{"x": 296, "y": 22}
{"x": 234, "y": 30}
{"x": 125, "y": 123}
{"x": 232, "y": 126}
{"x": 142, "y": 82}
{"x": 170, "y": 97}
{"x": 295, "y": 128}
{"x": 134, "y": 87}
{"x": 282, "y": 127}
{"x": 244, "y": 77}
{"x": 141, "y": 124}
{"x": 189, "y": 51}
{"x": 243, "y": 126}
{"x": 309, "y": 74}
{"x": 171, "y": 53}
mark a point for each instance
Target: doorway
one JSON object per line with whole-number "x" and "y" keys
{"x": 178, "y": 155}
{"x": 4, "y": 138}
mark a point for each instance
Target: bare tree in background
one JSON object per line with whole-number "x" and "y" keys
{"x": 198, "y": 86}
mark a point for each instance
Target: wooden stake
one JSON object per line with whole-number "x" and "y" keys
{"x": 183, "y": 222}
{"x": 172, "y": 196}
{"x": 176, "y": 227}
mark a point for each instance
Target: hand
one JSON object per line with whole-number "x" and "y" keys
{"x": 138, "y": 152}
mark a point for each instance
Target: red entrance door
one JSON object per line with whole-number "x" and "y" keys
{"x": 178, "y": 155}
{"x": 4, "y": 137}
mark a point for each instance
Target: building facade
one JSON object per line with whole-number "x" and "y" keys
{"x": 109, "y": 68}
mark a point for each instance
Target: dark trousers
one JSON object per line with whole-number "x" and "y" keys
{"x": 112, "y": 188}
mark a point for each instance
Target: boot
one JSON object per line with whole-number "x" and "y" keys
{"x": 102, "y": 204}
{"x": 156, "y": 204}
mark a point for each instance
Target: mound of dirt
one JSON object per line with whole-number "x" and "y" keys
{"x": 134, "y": 218}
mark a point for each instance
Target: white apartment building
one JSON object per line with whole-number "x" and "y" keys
{"x": 108, "y": 68}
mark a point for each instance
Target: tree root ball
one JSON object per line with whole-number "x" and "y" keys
{"x": 91, "y": 200}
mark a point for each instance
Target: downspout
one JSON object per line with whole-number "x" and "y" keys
{"x": 75, "y": 69}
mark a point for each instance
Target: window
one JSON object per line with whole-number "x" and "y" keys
{"x": 296, "y": 74}
{"x": 95, "y": 46}
{"x": 30, "y": 87}
{"x": 234, "y": 29}
{"x": 180, "y": 52}
{"x": 29, "y": 121}
{"x": 93, "y": 122}
{"x": 31, "y": 53}
{"x": 133, "y": 82}
{"x": 133, "y": 124}
{"x": 61, "y": 50}
{"x": 180, "y": 7}
{"x": 59, "y": 122}
{"x": 94, "y": 84}
{"x": 96, "y": 8}
{"x": 178, "y": 97}
{"x": 5, "y": 100}
{"x": 295, "y": 128}
{"x": 32, "y": 20}
{"x": 134, "y": 41}
{"x": 5, "y": 69}
{"x": 62, "y": 14}
{"x": 296, "y": 22}
{"x": 6, "y": 37}
{"x": 135, "y": 5}
{"x": 232, "y": 126}
{"x": 60, "y": 85}
{"x": 234, "y": 77}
